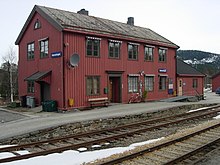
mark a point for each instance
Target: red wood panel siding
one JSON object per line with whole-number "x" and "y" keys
{"x": 188, "y": 85}
{"x": 27, "y": 68}
{"x": 75, "y": 78}
{"x": 70, "y": 83}
{"x": 215, "y": 83}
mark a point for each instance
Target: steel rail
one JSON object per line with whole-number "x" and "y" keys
{"x": 109, "y": 138}
{"x": 165, "y": 144}
{"x": 189, "y": 154}
{"x": 80, "y": 135}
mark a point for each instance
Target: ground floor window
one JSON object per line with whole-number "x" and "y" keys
{"x": 195, "y": 83}
{"x": 92, "y": 85}
{"x": 30, "y": 86}
{"x": 133, "y": 84}
{"x": 162, "y": 83}
{"x": 149, "y": 83}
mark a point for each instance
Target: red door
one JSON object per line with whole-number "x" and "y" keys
{"x": 114, "y": 89}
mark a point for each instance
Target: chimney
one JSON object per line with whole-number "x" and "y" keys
{"x": 83, "y": 11}
{"x": 130, "y": 21}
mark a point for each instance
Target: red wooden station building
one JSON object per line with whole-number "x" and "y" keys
{"x": 73, "y": 57}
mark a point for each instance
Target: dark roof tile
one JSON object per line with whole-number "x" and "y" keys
{"x": 69, "y": 20}
{"x": 185, "y": 69}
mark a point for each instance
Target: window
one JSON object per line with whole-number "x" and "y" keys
{"x": 37, "y": 24}
{"x": 92, "y": 85}
{"x": 132, "y": 84}
{"x": 148, "y": 51}
{"x": 114, "y": 49}
{"x": 195, "y": 83}
{"x": 162, "y": 55}
{"x": 132, "y": 52}
{"x": 162, "y": 83}
{"x": 30, "y": 86}
{"x": 149, "y": 83}
{"x": 93, "y": 47}
{"x": 30, "y": 51}
{"x": 44, "y": 44}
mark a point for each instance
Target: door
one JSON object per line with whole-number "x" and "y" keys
{"x": 114, "y": 93}
{"x": 45, "y": 91}
{"x": 180, "y": 87}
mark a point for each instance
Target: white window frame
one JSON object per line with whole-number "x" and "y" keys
{"x": 133, "y": 84}
{"x": 149, "y": 82}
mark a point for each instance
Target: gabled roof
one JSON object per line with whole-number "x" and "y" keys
{"x": 216, "y": 75}
{"x": 65, "y": 20}
{"x": 186, "y": 69}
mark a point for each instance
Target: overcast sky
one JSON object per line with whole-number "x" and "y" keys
{"x": 191, "y": 24}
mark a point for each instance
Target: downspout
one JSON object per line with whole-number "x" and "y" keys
{"x": 176, "y": 75}
{"x": 63, "y": 72}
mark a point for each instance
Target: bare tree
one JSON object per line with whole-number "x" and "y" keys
{"x": 10, "y": 59}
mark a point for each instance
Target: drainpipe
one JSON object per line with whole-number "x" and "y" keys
{"x": 176, "y": 72}
{"x": 63, "y": 72}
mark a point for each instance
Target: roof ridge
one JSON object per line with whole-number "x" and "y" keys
{"x": 69, "y": 20}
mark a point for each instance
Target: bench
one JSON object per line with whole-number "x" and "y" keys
{"x": 99, "y": 101}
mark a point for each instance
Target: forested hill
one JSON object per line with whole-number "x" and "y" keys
{"x": 206, "y": 62}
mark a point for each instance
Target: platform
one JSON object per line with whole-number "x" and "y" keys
{"x": 35, "y": 119}
{"x": 181, "y": 99}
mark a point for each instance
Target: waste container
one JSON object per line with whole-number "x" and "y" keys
{"x": 49, "y": 106}
{"x": 71, "y": 102}
{"x": 23, "y": 101}
{"x": 30, "y": 101}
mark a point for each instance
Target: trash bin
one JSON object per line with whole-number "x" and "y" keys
{"x": 23, "y": 101}
{"x": 30, "y": 101}
{"x": 49, "y": 106}
{"x": 71, "y": 102}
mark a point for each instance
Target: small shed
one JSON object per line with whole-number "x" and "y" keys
{"x": 215, "y": 81}
{"x": 190, "y": 81}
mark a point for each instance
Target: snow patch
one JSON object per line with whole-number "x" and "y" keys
{"x": 217, "y": 117}
{"x": 199, "y": 109}
{"x": 72, "y": 157}
{"x": 82, "y": 149}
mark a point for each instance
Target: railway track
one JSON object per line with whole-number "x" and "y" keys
{"x": 102, "y": 136}
{"x": 180, "y": 150}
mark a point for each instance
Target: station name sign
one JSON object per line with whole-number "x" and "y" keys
{"x": 162, "y": 70}
{"x": 56, "y": 54}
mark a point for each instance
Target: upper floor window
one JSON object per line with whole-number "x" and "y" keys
{"x": 30, "y": 51}
{"x": 148, "y": 52}
{"x": 92, "y": 85}
{"x": 44, "y": 48}
{"x": 132, "y": 51}
{"x": 37, "y": 24}
{"x": 162, "y": 55}
{"x": 93, "y": 46}
{"x": 114, "y": 49}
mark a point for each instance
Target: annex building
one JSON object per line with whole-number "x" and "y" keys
{"x": 67, "y": 56}
{"x": 190, "y": 81}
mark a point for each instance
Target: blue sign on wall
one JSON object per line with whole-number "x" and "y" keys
{"x": 162, "y": 70}
{"x": 56, "y": 54}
